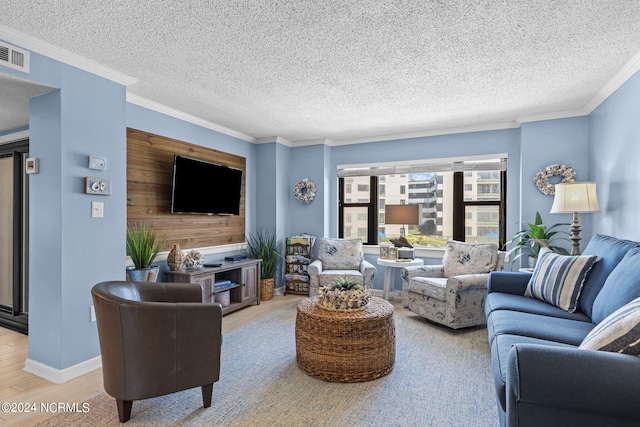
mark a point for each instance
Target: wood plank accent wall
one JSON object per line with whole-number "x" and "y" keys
{"x": 149, "y": 175}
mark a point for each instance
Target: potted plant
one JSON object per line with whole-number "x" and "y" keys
{"x": 344, "y": 294}
{"x": 264, "y": 245}
{"x": 535, "y": 237}
{"x": 143, "y": 247}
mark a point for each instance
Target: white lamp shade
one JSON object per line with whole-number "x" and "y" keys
{"x": 575, "y": 197}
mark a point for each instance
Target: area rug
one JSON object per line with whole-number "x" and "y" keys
{"x": 441, "y": 378}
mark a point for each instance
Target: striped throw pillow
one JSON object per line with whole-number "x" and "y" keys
{"x": 557, "y": 279}
{"x": 618, "y": 333}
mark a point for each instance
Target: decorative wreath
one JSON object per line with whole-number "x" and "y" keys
{"x": 305, "y": 191}
{"x": 542, "y": 177}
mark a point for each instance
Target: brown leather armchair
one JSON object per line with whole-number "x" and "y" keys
{"x": 156, "y": 339}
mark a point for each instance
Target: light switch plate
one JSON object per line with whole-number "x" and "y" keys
{"x": 97, "y": 209}
{"x": 101, "y": 186}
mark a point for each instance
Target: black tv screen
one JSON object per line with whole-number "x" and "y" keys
{"x": 201, "y": 187}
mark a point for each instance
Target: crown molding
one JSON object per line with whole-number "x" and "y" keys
{"x": 276, "y": 139}
{"x": 15, "y": 136}
{"x": 426, "y": 133}
{"x": 43, "y": 48}
{"x": 163, "y": 109}
{"x": 319, "y": 141}
{"x": 551, "y": 116}
{"x": 620, "y": 78}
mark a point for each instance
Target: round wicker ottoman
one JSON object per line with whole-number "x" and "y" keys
{"x": 345, "y": 347}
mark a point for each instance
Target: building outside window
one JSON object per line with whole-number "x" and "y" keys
{"x": 467, "y": 205}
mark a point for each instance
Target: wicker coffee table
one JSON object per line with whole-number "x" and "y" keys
{"x": 345, "y": 347}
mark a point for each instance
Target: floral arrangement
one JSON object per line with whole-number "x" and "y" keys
{"x": 542, "y": 177}
{"x": 344, "y": 294}
{"x": 305, "y": 191}
{"x": 193, "y": 259}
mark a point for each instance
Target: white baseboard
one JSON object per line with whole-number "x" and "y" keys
{"x": 59, "y": 376}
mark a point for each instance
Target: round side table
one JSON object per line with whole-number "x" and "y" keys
{"x": 347, "y": 347}
{"x": 389, "y": 274}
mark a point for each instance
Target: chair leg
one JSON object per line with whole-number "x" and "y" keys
{"x": 124, "y": 410}
{"x": 207, "y": 391}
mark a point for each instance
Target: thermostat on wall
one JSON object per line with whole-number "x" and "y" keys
{"x": 31, "y": 165}
{"x": 101, "y": 186}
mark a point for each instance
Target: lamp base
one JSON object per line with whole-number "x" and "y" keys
{"x": 575, "y": 235}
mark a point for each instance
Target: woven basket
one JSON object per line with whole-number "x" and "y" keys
{"x": 266, "y": 289}
{"x": 343, "y": 346}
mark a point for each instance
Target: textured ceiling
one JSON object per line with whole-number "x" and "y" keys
{"x": 344, "y": 69}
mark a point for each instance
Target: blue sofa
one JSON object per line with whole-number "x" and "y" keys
{"x": 541, "y": 376}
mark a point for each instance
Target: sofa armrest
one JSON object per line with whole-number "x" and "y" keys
{"x": 314, "y": 269}
{"x": 549, "y": 385}
{"x": 368, "y": 270}
{"x": 409, "y": 273}
{"x": 508, "y": 282}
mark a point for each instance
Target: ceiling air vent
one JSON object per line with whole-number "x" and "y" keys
{"x": 14, "y": 57}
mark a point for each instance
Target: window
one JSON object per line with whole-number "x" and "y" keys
{"x": 467, "y": 202}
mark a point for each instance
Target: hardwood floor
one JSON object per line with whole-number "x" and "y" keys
{"x": 18, "y": 386}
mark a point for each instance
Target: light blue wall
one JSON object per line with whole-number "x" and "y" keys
{"x": 68, "y": 250}
{"x": 614, "y": 158}
{"x": 562, "y": 141}
{"x": 309, "y": 162}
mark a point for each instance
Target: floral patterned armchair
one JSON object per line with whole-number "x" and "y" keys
{"x": 452, "y": 294}
{"x": 338, "y": 258}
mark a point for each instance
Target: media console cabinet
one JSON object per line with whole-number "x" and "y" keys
{"x": 244, "y": 274}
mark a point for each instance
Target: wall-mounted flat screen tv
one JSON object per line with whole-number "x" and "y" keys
{"x": 201, "y": 187}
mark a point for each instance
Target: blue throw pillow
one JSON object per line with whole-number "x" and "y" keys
{"x": 610, "y": 251}
{"x": 621, "y": 287}
{"x": 557, "y": 279}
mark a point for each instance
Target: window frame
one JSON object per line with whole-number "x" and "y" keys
{"x": 372, "y": 209}
{"x": 458, "y": 215}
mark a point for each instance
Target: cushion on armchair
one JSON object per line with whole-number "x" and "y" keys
{"x": 469, "y": 258}
{"x": 340, "y": 254}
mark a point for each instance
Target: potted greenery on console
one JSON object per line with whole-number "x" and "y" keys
{"x": 264, "y": 245}
{"x": 143, "y": 247}
{"x": 536, "y": 237}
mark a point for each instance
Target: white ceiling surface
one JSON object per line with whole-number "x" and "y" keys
{"x": 346, "y": 69}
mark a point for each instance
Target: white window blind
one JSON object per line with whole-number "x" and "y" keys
{"x": 459, "y": 164}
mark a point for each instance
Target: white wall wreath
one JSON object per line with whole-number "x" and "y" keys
{"x": 305, "y": 191}
{"x": 542, "y": 177}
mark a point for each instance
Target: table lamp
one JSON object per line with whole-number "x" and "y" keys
{"x": 402, "y": 214}
{"x": 575, "y": 197}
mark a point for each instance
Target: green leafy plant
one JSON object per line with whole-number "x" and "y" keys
{"x": 345, "y": 283}
{"x": 264, "y": 245}
{"x": 537, "y": 236}
{"x": 142, "y": 245}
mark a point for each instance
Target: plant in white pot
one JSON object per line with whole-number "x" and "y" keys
{"x": 143, "y": 247}
{"x": 264, "y": 245}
